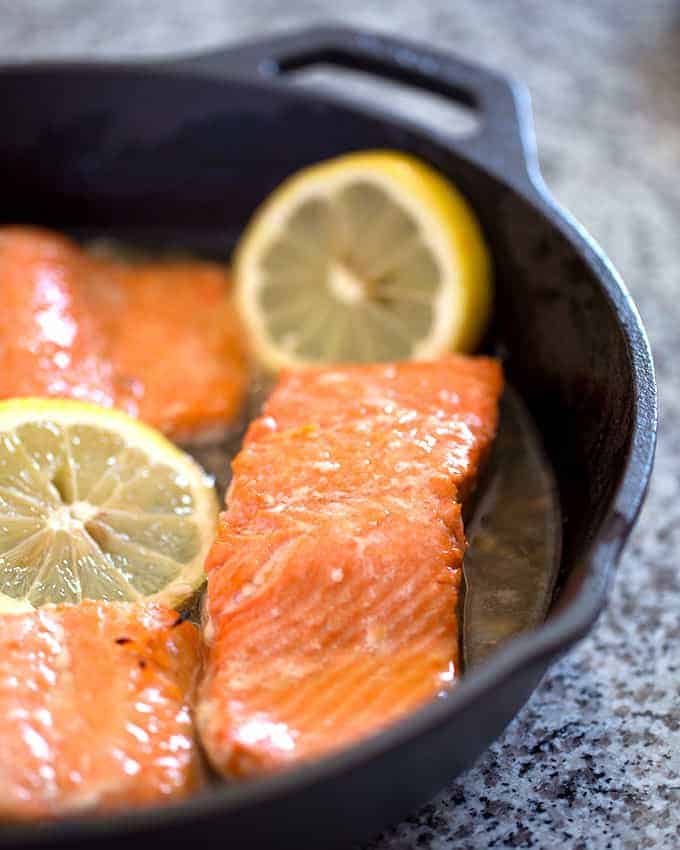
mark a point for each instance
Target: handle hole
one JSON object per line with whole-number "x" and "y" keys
{"x": 409, "y": 101}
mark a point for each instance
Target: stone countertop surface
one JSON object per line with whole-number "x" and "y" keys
{"x": 593, "y": 760}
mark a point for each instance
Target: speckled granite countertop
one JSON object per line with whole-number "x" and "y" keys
{"x": 593, "y": 761}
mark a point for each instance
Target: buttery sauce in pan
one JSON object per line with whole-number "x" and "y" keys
{"x": 514, "y": 533}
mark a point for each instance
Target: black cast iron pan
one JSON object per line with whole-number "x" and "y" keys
{"x": 191, "y": 147}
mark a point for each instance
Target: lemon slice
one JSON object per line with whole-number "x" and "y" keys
{"x": 370, "y": 256}
{"x": 96, "y": 505}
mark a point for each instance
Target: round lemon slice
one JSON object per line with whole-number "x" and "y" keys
{"x": 370, "y": 256}
{"x": 94, "y": 504}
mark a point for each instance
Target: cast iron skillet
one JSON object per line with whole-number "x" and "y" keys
{"x": 190, "y": 148}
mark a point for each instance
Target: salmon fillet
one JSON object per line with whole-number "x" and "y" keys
{"x": 333, "y": 583}
{"x": 158, "y": 339}
{"x": 94, "y": 709}
{"x": 51, "y": 343}
{"x": 176, "y": 333}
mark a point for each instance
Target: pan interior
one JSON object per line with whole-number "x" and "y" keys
{"x": 513, "y": 527}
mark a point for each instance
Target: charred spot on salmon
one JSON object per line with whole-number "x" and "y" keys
{"x": 121, "y": 641}
{"x": 182, "y": 618}
{"x": 142, "y": 663}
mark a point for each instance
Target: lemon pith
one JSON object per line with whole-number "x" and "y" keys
{"x": 94, "y": 504}
{"x": 370, "y": 256}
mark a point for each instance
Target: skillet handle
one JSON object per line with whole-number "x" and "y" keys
{"x": 504, "y": 144}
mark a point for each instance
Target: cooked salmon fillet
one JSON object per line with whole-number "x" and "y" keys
{"x": 51, "y": 343}
{"x": 157, "y": 339}
{"x": 176, "y": 334}
{"x": 95, "y": 709}
{"x": 333, "y": 584}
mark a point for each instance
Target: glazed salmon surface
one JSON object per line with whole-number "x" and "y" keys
{"x": 174, "y": 330}
{"x": 51, "y": 343}
{"x": 333, "y": 583}
{"x": 160, "y": 340}
{"x": 95, "y": 709}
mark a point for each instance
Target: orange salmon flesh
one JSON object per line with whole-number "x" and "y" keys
{"x": 333, "y": 584}
{"x": 95, "y": 709}
{"x": 159, "y": 340}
